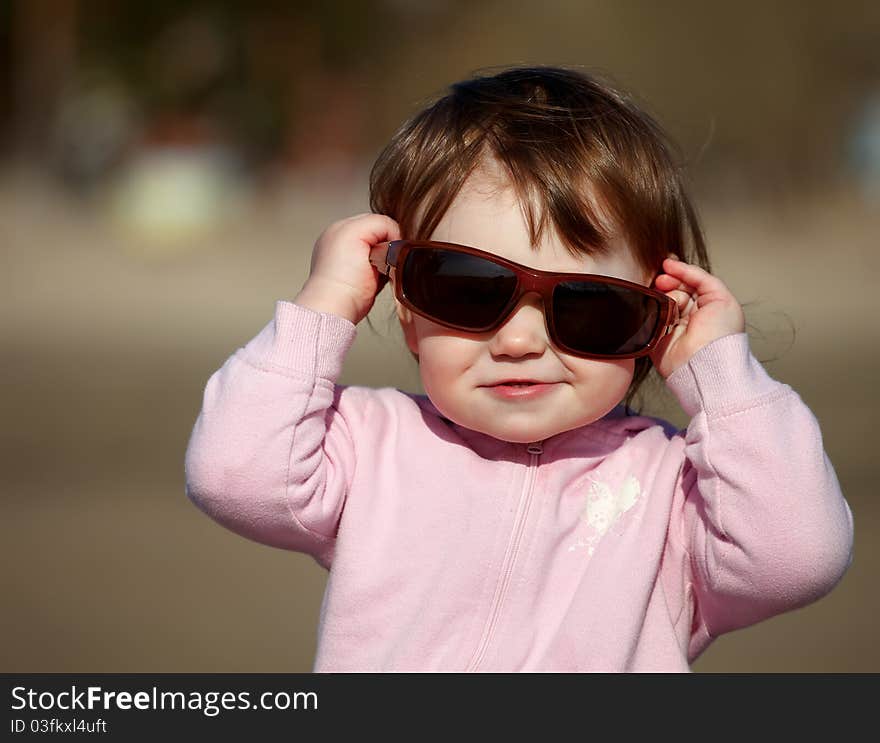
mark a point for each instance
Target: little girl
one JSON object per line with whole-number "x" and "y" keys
{"x": 543, "y": 256}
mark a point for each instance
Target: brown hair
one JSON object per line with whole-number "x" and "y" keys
{"x": 565, "y": 140}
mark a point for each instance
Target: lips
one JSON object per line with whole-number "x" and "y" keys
{"x": 516, "y": 383}
{"x": 520, "y": 389}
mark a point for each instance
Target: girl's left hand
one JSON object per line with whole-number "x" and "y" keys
{"x": 708, "y": 311}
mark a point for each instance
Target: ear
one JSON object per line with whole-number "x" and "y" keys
{"x": 407, "y": 324}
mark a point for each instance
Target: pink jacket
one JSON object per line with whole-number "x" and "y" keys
{"x": 619, "y": 546}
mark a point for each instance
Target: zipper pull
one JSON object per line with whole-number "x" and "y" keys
{"x": 536, "y": 447}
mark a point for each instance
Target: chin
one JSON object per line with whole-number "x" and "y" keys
{"x": 521, "y": 434}
{"x": 526, "y": 434}
{"x": 512, "y": 434}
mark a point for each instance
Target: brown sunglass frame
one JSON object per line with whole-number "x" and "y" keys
{"x": 387, "y": 256}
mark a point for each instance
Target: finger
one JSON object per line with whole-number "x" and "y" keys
{"x": 379, "y": 228}
{"x": 666, "y": 283}
{"x": 684, "y": 295}
{"x": 689, "y": 274}
{"x": 694, "y": 279}
{"x": 686, "y": 302}
{"x": 370, "y": 228}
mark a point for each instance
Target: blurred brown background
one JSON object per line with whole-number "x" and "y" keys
{"x": 166, "y": 167}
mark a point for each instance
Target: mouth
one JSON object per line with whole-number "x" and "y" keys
{"x": 520, "y": 389}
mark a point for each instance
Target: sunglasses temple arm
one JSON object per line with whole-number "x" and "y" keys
{"x": 378, "y": 257}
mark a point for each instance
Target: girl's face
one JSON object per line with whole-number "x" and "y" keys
{"x": 461, "y": 371}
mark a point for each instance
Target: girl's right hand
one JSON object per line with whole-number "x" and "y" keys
{"x": 342, "y": 281}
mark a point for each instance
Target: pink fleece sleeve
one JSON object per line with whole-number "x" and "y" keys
{"x": 270, "y": 457}
{"x": 763, "y": 520}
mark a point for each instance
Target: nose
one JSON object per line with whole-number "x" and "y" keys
{"x": 524, "y": 332}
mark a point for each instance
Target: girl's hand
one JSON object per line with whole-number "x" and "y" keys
{"x": 342, "y": 281}
{"x": 708, "y": 311}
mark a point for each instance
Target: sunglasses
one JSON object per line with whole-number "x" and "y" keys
{"x": 463, "y": 288}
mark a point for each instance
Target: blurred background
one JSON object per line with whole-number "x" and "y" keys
{"x": 165, "y": 168}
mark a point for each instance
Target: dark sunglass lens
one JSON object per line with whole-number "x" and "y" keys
{"x": 604, "y": 318}
{"x": 457, "y": 288}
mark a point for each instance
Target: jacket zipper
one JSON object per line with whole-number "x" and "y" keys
{"x": 535, "y": 450}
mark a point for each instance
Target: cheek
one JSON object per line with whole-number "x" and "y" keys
{"x": 623, "y": 377}
{"x": 606, "y": 382}
{"x": 620, "y": 372}
{"x": 442, "y": 360}
{"x": 443, "y": 354}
